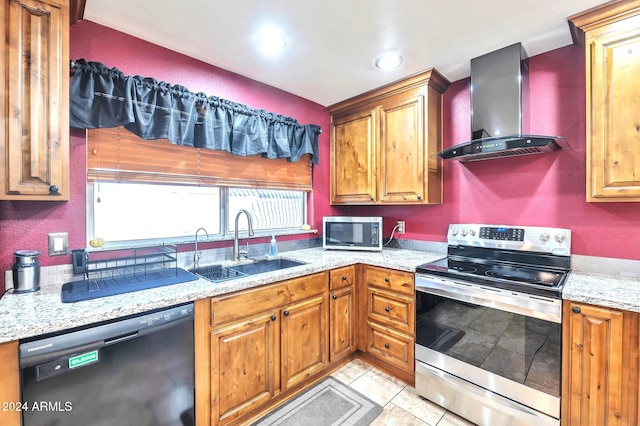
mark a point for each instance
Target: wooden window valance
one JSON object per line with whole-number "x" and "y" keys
{"x": 117, "y": 154}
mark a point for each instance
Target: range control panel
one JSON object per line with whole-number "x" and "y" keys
{"x": 523, "y": 238}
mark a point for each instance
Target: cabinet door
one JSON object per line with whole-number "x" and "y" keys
{"x": 9, "y": 383}
{"x": 613, "y": 122}
{"x": 401, "y": 166}
{"x": 353, "y": 159}
{"x": 592, "y": 379}
{"x": 342, "y": 333}
{"x": 36, "y": 151}
{"x": 244, "y": 369}
{"x": 304, "y": 334}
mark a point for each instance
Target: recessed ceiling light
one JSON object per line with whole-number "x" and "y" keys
{"x": 388, "y": 61}
{"x": 271, "y": 41}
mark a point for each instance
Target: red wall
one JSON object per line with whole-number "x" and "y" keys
{"x": 24, "y": 225}
{"x": 538, "y": 190}
{"x": 546, "y": 190}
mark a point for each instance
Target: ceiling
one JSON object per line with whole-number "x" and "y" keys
{"x": 332, "y": 44}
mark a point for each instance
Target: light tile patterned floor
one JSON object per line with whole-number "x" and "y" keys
{"x": 402, "y": 405}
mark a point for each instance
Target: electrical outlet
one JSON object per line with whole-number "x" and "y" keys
{"x": 400, "y": 227}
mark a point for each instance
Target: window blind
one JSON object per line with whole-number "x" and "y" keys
{"x": 117, "y": 154}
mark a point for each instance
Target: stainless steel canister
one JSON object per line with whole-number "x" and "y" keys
{"x": 26, "y": 271}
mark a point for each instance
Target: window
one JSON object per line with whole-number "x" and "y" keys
{"x": 127, "y": 212}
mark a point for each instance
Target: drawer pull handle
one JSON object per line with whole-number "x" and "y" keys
{"x": 273, "y": 317}
{"x": 386, "y": 279}
{"x": 576, "y": 310}
{"x": 334, "y": 297}
{"x": 386, "y": 346}
{"x": 286, "y": 313}
{"x": 387, "y": 309}
{"x": 344, "y": 278}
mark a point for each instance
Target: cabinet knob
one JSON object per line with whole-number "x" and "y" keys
{"x": 370, "y": 198}
{"x": 386, "y": 345}
{"x": 344, "y": 278}
{"x": 334, "y": 297}
{"x": 419, "y": 197}
{"x": 273, "y": 317}
{"x": 386, "y": 279}
{"x": 286, "y": 313}
{"x": 387, "y": 309}
{"x": 54, "y": 190}
{"x": 576, "y": 310}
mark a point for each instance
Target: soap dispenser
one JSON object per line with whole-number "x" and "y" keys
{"x": 273, "y": 248}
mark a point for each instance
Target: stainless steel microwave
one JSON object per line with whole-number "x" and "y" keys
{"x": 352, "y": 233}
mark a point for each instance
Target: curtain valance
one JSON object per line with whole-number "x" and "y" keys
{"x": 104, "y": 97}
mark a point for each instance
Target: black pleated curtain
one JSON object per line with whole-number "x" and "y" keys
{"x": 105, "y": 97}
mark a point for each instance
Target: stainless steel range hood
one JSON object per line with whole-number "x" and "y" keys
{"x": 500, "y": 110}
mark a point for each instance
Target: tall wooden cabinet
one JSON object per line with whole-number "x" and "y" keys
{"x": 610, "y": 35}
{"x": 9, "y": 384}
{"x": 383, "y": 143}
{"x": 34, "y": 147}
{"x": 342, "y": 311}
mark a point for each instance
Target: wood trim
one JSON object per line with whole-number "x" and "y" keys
{"x": 598, "y": 16}
{"x": 431, "y": 77}
{"x": 76, "y": 11}
{"x": 118, "y": 154}
{"x": 9, "y": 382}
{"x": 202, "y": 338}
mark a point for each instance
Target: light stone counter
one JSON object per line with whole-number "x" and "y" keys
{"x": 33, "y": 314}
{"x": 603, "y": 290}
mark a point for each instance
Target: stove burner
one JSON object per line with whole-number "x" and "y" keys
{"x": 463, "y": 268}
{"x": 514, "y": 274}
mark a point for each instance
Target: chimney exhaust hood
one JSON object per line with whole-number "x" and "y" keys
{"x": 500, "y": 110}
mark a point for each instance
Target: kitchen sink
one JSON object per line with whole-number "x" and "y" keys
{"x": 217, "y": 273}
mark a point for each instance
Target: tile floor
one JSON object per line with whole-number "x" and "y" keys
{"x": 402, "y": 405}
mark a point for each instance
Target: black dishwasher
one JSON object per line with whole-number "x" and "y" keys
{"x": 135, "y": 371}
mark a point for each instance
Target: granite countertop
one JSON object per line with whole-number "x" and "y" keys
{"x": 603, "y": 290}
{"x": 32, "y": 314}
{"x": 41, "y": 312}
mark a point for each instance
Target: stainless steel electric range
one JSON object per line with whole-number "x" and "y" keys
{"x": 488, "y": 324}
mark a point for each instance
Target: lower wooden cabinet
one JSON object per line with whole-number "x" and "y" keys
{"x": 304, "y": 345}
{"x": 244, "y": 366}
{"x": 342, "y": 313}
{"x": 601, "y": 366}
{"x": 9, "y": 383}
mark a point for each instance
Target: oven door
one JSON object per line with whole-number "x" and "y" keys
{"x": 502, "y": 344}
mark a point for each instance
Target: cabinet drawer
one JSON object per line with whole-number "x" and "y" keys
{"x": 390, "y": 346}
{"x": 402, "y": 282}
{"x": 391, "y": 309}
{"x": 235, "y": 306}
{"x": 342, "y": 277}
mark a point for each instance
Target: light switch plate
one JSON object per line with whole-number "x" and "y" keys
{"x": 58, "y": 243}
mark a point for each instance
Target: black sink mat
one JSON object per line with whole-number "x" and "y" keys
{"x": 77, "y": 291}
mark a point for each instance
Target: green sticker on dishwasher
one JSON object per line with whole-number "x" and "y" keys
{"x": 84, "y": 359}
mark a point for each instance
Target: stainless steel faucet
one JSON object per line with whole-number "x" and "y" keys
{"x": 197, "y": 255}
{"x": 237, "y": 254}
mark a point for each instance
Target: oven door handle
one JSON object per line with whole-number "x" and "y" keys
{"x": 519, "y": 303}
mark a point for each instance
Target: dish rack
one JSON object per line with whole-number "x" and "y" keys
{"x": 132, "y": 263}
{"x": 118, "y": 271}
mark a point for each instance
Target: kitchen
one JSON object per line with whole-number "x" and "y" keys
{"x": 546, "y": 190}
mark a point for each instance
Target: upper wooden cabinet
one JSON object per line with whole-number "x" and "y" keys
{"x": 34, "y": 148}
{"x": 611, "y": 37}
{"x": 383, "y": 143}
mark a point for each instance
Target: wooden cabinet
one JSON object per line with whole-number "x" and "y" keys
{"x": 342, "y": 321}
{"x": 389, "y": 332}
{"x": 383, "y": 144}
{"x": 610, "y": 35}
{"x": 304, "y": 331}
{"x": 596, "y": 366}
{"x": 34, "y": 148}
{"x": 9, "y": 383}
{"x": 263, "y": 342}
